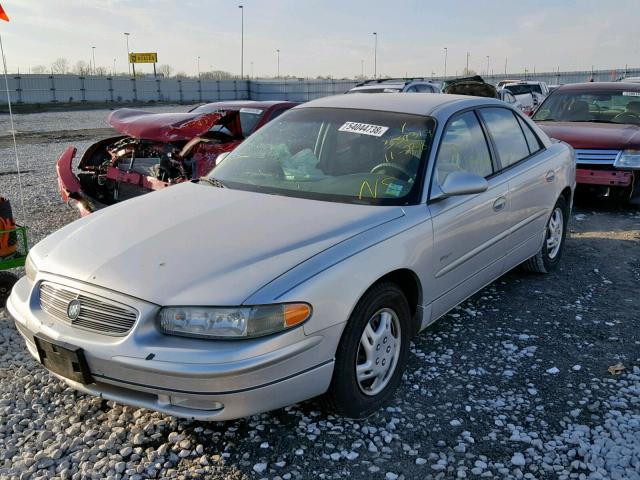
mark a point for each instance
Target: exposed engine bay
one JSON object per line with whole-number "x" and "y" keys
{"x": 158, "y": 151}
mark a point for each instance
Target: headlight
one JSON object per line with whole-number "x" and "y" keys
{"x": 232, "y": 322}
{"x": 30, "y": 269}
{"x": 628, "y": 159}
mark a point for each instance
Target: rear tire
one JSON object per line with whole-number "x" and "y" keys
{"x": 372, "y": 354}
{"x": 7, "y": 281}
{"x": 548, "y": 258}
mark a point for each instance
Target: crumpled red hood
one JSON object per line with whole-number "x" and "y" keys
{"x": 170, "y": 127}
{"x": 594, "y": 135}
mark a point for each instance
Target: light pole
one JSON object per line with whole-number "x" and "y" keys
{"x": 446, "y": 51}
{"x": 128, "y": 62}
{"x": 362, "y": 68}
{"x": 375, "y": 55}
{"x": 93, "y": 53}
{"x": 251, "y": 69}
{"x": 113, "y": 73}
{"x": 278, "y": 56}
{"x": 487, "y": 65}
{"x": 467, "y": 72}
{"x": 241, "y": 7}
{"x": 198, "y": 67}
{"x": 505, "y": 65}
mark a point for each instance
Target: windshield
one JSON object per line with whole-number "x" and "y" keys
{"x": 249, "y": 117}
{"x": 604, "y": 107}
{"x": 523, "y": 88}
{"x": 341, "y": 155}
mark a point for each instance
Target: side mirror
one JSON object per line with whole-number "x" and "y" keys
{"x": 462, "y": 183}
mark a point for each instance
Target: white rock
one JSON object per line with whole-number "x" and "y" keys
{"x": 553, "y": 371}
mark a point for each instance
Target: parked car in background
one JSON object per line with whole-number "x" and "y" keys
{"x": 508, "y": 97}
{"x": 396, "y": 85}
{"x": 537, "y": 90}
{"x": 602, "y": 122}
{"x": 156, "y": 150}
{"x": 304, "y": 263}
{"x": 474, "y": 86}
{"x": 630, "y": 79}
{"x": 502, "y": 83}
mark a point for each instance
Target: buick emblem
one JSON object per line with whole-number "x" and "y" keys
{"x": 73, "y": 309}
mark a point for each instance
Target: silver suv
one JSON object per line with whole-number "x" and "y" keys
{"x": 396, "y": 85}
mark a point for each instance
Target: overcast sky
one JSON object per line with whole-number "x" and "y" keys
{"x": 328, "y": 37}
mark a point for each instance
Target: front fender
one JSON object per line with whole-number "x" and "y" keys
{"x": 334, "y": 281}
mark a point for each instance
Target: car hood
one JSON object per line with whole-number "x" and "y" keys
{"x": 594, "y": 135}
{"x": 171, "y": 127}
{"x": 193, "y": 244}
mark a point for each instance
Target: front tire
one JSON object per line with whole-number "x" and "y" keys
{"x": 548, "y": 258}
{"x": 372, "y": 354}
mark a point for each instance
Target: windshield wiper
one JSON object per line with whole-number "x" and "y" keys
{"x": 214, "y": 182}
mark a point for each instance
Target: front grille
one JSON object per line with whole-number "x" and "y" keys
{"x": 96, "y": 314}
{"x": 592, "y": 156}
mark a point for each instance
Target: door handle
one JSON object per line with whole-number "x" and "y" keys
{"x": 550, "y": 176}
{"x": 499, "y": 204}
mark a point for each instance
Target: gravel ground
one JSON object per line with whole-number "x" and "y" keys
{"x": 511, "y": 384}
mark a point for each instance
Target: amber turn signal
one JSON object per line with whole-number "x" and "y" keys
{"x": 296, "y": 313}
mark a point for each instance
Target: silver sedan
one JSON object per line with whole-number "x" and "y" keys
{"x": 304, "y": 263}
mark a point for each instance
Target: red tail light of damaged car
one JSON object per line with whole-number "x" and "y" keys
{"x": 232, "y": 322}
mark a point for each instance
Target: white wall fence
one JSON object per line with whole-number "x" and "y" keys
{"x": 45, "y": 89}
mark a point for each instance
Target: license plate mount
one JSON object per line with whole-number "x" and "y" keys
{"x": 63, "y": 359}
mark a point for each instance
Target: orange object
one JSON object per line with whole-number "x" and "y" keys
{"x": 8, "y": 241}
{"x": 3, "y": 15}
{"x": 296, "y": 313}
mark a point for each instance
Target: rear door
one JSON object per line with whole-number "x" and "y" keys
{"x": 469, "y": 230}
{"x": 531, "y": 176}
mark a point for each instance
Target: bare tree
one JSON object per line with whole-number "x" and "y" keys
{"x": 81, "y": 68}
{"x": 101, "y": 71}
{"x": 181, "y": 75}
{"x": 165, "y": 70}
{"x": 468, "y": 73}
{"x": 60, "y": 65}
{"x": 39, "y": 69}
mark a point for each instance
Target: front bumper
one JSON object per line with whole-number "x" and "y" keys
{"x": 609, "y": 178}
{"x": 198, "y": 379}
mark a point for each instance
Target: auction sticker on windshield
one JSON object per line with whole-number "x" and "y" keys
{"x": 363, "y": 129}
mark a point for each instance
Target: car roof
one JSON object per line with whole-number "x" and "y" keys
{"x": 599, "y": 87}
{"x": 414, "y": 104}
{"x": 231, "y": 104}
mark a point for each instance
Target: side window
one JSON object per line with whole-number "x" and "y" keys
{"x": 411, "y": 89}
{"x": 507, "y": 135}
{"x": 463, "y": 148}
{"x": 422, "y": 88}
{"x": 532, "y": 139}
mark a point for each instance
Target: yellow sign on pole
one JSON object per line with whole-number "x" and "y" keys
{"x": 149, "y": 57}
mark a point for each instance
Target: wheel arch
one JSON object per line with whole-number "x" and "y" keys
{"x": 409, "y": 282}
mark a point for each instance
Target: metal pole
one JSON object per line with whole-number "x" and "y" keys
{"x": 446, "y": 51}
{"x": 505, "y": 65}
{"x": 128, "y": 54}
{"x": 113, "y": 73}
{"x": 487, "y": 65}
{"x": 93, "y": 53}
{"x": 278, "y": 55}
{"x": 375, "y": 55}
{"x": 362, "y": 68}
{"x": 13, "y": 132}
{"x": 198, "y": 67}
{"x": 467, "y": 73}
{"x": 251, "y": 69}
{"x": 241, "y": 7}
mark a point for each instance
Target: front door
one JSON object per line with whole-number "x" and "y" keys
{"x": 470, "y": 230}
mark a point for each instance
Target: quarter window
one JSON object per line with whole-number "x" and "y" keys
{"x": 463, "y": 148}
{"x": 507, "y": 135}
{"x": 532, "y": 139}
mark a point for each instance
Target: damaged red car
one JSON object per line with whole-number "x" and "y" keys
{"x": 157, "y": 150}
